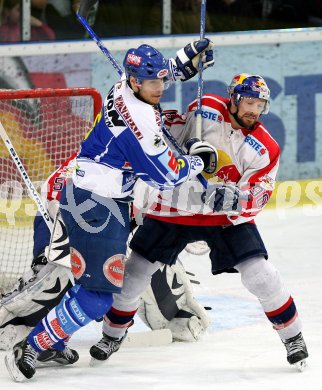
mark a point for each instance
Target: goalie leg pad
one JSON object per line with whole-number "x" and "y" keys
{"x": 41, "y": 235}
{"x": 33, "y": 296}
{"x": 58, "y": 250}
{"x": 186, "y": 329}
{"x": 169, "y": 303}
{"x": 8, "y": 337}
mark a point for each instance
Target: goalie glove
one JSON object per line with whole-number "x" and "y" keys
{"x": 185, "y": 66}
{"x": 169, "y": 303}
{"x": 205, "y": 151}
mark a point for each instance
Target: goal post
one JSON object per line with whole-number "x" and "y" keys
{"x": 45, "y": 126}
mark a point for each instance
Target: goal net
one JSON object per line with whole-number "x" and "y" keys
{"x": 45, "y": 127}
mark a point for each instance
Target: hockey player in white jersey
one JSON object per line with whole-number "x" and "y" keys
{"x": 37, "y": 291}
{"x": 223, "y": 216}
{"x": 126, "y": 142}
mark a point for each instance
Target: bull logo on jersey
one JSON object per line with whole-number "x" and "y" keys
{"x": 267, "y": 182}
{"x": 228, "y": 173}
{"x": 226, "y": 170}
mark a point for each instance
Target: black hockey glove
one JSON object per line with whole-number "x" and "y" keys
{"x": 185, "y": 66}
{"x": 225, "y": 197}
{"x": 205, "y": 151}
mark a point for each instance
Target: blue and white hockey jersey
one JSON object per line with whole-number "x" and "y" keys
{"x": 126, "y": 142}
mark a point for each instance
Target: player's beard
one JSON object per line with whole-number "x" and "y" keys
{"x": 247, "y": 120}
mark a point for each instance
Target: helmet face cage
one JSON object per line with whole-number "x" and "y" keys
{"x": 247, "y": 85}
{"x": 146, "y": 63}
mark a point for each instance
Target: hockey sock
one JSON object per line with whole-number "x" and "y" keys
{"x": 263, "y": 280}
{"x": 77, "y": 308}
{"x": 117, "y": 321}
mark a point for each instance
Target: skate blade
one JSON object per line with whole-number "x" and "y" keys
{"x": 13, "y": 370}
{"x": 97, "y": 363}
{"x": 301, "y": 365}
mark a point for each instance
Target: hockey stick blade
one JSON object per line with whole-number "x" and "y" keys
{"x": 152, "y": 338}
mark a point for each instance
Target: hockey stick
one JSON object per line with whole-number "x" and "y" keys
{"x": 85, "y": 6}
{"x": 82, "y": 13}
{"x": 200, "y": 80}
{"x": 23, "y": 173}
{"x": 35, "y": 196}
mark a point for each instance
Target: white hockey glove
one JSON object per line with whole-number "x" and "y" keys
{"x": 185, "y": 66}
{"x": 226, "y": 197}
{"x": 169, "y": 303}
{"x": 205, "y": 151}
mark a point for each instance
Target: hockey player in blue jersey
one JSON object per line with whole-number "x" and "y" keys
{"x": 125, "y": 143}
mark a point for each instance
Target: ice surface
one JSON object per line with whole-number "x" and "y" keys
{"x": 241, "y": 351}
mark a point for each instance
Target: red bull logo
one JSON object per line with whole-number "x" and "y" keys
{"x": 228, "y": 173}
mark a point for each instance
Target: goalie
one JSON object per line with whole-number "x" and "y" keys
{"x": 167, "y": 303}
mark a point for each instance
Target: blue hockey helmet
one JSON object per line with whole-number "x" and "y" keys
{"x": 247, "y": 85}
{"x": 145, "y": 62}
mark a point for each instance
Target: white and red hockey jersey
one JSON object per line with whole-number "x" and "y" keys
{"x": 248, "y": 158}
{"x": 51, "y": 189}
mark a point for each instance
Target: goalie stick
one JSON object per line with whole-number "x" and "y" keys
{"x": 200, "y": 80}
{"x": 151, "y": 338}
{"x": 82, "y": 13}
{"x": 35, "y": 196}
{"x": 23, "y": 173}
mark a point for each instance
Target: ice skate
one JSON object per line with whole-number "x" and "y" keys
{"x": 296, "y": 351}
{"x": 66, "y": 357}
{"x": 102, "y": 350}
{"x": 21, "y": 361}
